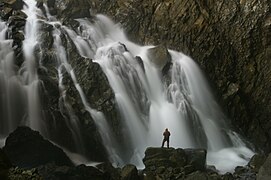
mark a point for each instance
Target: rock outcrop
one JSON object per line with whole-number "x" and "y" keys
{"x": 167, "y": 163}
{"x": 27, "y": 148}
{"x": 229, "y": 39}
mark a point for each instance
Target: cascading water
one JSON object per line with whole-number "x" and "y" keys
{"x": 147, "y": 103}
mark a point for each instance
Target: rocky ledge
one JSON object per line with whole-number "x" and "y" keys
{"x": 27, "y": 155}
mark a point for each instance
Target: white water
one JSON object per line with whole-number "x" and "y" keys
{"x": 30, "y": 65}
{"x": 147, "y": 104}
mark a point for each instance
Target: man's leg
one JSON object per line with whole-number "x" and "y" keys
{"x": 168, "y": 143}
{"x": 163, "y": 143}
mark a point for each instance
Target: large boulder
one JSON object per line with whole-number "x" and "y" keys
{"x": 27, "y": 148}
{"x": 160, "y": 57}
{"x": 170, "y": 162}
{"x": 129, "y": 172}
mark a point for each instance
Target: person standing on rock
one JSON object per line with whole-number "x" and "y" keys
{"x": 166, "y": 135}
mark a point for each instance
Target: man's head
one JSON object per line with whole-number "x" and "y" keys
{"x": 166, "y": 129}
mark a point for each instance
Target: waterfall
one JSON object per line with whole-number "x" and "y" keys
{"x": 148, "y": 102}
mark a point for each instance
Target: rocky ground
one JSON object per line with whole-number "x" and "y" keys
{"x": 27, "y": 155}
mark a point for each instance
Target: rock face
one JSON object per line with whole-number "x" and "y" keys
{"x": 27, "y": 148}
{"x": 229, "y": 39}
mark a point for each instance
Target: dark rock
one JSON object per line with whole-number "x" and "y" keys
{"x": 265, "y": 170}
{"x": 5, "y": 13}
{"x": 256, "y": 162}
{"x": 81, "y": 172}
{"x": 113, "y": 172}
{"x": 140, "y": 62}
{"x": 170, "y": 162}
{"x": 15, "y": 4}
{"x": 129, "y": 172}
{"x": 159, "y": 56}
{"x": 27, "y": 148}
{"x": 197, "y": 175}
{"x": 23, "y": 174}
{"x": 227, "y": 176}
{"x": 196, "y": 158}
{"x": 5, "y": 164}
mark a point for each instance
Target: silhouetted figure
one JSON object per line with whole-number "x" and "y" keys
{"x": 166, "y": 135}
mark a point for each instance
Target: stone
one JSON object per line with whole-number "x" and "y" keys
{"x": 159, "y": 56}
{"x": 170, "y": 162}
{"x": 196, "y": 158}
{"x": 27, "y": 148}
{"x": 5, "y": 13}
{"x": 129, "y": 172}
{"x": 265, "y": 170}
{"x": 256, "y": 162}
{"x": 15, "y": 4}
{"x": 107, "y": 167}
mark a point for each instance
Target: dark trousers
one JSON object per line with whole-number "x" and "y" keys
{"x": 165, "y": 140}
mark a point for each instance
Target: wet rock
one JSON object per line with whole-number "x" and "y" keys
{"x": 196, "y": 158}
{"x": 5, "y": 13}
{"x": 129, "y": 172}
{"x": 159, "y": 56}
{"x": 265, "y": 170}
{"x": 14, "y": 4}
{"x": 27, "y": 148}
{"x": 140, "y": 61}
{"x": 256, "y": 162}
{"x": 113, "y": 172}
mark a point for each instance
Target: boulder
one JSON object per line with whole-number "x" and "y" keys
{"x": 113, "y": 172}
{"x": 265, "y": 170}
{"x": 129, "y": 172}
{"x": 27, "y": 148}
{"x": 160, "y": 57}
{"x": 170, "y": 162}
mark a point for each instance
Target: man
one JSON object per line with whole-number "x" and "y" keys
{"x": 166, "y": 135}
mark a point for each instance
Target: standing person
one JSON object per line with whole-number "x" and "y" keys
{"x": 166, "y": 135}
